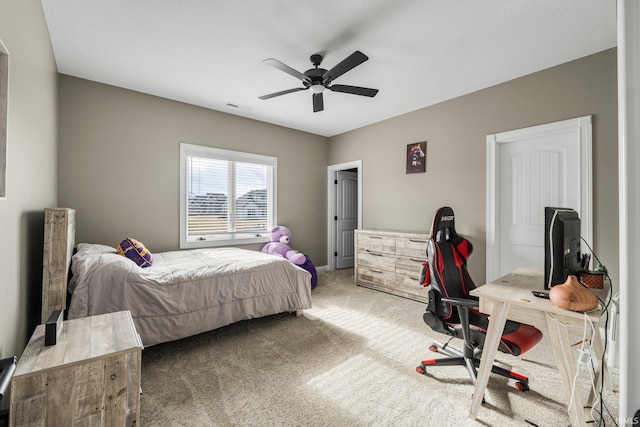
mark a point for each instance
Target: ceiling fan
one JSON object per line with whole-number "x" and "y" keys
{"x": 319, "y": 79}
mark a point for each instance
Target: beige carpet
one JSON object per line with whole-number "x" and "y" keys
{"x": 350, "y": 361}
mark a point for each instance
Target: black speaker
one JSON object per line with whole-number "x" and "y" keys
{"x": 53, "y": 327}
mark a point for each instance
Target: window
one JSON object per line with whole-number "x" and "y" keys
{"x": 226, "y": 197}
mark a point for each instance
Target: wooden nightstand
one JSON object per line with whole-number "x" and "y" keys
{"x": 90, "y": 377}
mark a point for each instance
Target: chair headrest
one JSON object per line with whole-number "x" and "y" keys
{"x": 443, "y": 225}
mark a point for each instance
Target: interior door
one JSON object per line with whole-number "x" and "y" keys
{"x": 346, "y": 217}
{"x": 537, "y": 172}
{"x": 547, "y": 165}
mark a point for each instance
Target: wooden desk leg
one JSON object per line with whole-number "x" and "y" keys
{"x": 602, "y": 371}
{"x": 560, "y": 339}
{"x": 497, "y": 320}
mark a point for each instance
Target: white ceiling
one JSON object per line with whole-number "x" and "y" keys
{"x": 421, "y": 52}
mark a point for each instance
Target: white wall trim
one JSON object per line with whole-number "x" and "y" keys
{"x": 4, "y": 123}
{"x": 628, "y": 13}
{"x": 492, "y": 262}
{"x": 322, "y": 268}
{"x": 332, "y": 171}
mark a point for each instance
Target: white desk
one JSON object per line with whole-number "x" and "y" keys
{"x": 510, "y": 298}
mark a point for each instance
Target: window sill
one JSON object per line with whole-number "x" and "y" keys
{"x": 212, "y": 242}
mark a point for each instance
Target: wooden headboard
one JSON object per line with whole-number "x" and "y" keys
{"x": 59, "y": 241}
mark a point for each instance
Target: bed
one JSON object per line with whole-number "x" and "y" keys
{"x": 183, "y": 293}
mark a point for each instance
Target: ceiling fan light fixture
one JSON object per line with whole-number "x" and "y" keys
{"x": 318, "y": 79}
{"x": 317, "y": 88}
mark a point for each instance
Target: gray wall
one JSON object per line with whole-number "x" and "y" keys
{"x": 119, "y": 165}
{"x": 31, "y": 169}
{"x": 456, "y": 132}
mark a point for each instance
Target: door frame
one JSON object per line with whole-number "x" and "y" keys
{"x": 583, "y": 126}
{"x": 331, "y": 205}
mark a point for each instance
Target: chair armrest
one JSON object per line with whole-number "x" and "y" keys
{"x": 462, "y": 302}
{"x": 464, "y": 305}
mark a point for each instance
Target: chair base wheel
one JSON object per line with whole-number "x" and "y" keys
{"x": 421, "y": 369}
{"x": 433, "y": 348}
{"x": 522, "y": 386}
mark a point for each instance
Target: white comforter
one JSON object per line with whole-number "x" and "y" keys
{"x": 185, "y": 292}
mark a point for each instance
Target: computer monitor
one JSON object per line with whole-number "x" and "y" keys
{"x": 562, "y": 245}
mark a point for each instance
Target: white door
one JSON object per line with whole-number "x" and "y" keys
{"x": 346, "y": 217}
{"x": 528, "y": 169}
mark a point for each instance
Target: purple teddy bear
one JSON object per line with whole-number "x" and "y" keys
{"x": 279, "y": 245}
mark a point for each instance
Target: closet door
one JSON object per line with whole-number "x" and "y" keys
{"x": 528, "y": 169}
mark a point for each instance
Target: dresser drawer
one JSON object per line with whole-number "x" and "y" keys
{"x": 410, "y": 288}
{"x": 412, "y": 246}
{"x": 409, "y": 267}
{"x": 377, "y": 242}
{"x": 376, "y": 260}
{"x": 408, "y": 276}
{"x": 376, "y": 276}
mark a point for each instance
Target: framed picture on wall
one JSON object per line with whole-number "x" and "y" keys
{"x": 417, "y": 157}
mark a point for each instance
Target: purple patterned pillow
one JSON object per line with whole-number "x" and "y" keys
{"x": 136, "y": 252}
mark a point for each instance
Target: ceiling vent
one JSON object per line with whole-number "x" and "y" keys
{"x": 238, "y": 106}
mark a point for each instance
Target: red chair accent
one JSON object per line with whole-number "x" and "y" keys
{"x": 452, "y": 311}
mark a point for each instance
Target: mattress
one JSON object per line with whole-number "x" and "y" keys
{"x": 187, "y": 292}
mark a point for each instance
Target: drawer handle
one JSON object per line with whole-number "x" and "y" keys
{"x": 375, "y": 237}
{"x": 374, "y": 253}
{"x": 416, "y": 260}
{"x": 375, "y": 271}
{"x": 417, "y": 241}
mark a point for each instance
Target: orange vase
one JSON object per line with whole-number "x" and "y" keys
{"x": 571, "y": 295}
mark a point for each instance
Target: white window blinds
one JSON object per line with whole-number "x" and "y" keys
{"x": 229, "y": 195}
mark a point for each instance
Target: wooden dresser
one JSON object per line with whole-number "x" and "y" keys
{"x": 390, "y": 261}
{"x": 90, "y": 377}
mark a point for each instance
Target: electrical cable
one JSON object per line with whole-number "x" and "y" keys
{"x": 565, "y": 360}
{"x": 550, "y": 237}
{"x": 581, "y": 350}
{"x": 599, "y": 392}
{"x": 592, "y": 371}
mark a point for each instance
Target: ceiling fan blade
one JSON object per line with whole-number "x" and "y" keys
{"x": 284, "y": 67}
{"x": 282, "y": 92}
{"x": 350, "y": 62}
{"x": 318, "y": 102}
{"x": 355, "y": 90}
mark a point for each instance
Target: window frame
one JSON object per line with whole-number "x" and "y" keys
{"x": 232, "y": 238}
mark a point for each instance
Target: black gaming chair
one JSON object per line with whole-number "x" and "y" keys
{"x": 453, "y": 312}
